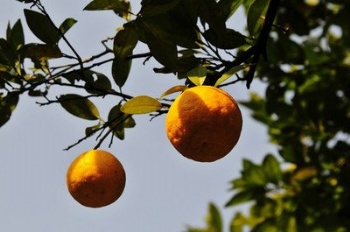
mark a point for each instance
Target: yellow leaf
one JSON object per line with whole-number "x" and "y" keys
{"x": 141, "y": 105}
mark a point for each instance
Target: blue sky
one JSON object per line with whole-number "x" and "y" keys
{"x": 164, "y": 191}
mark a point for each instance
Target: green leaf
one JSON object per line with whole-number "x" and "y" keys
{"x": 253, "y": 174}
{"x": 256, "y": 14}
{"x": 92, "y": 129}
{"x": 197, "y": 75}
{"x": 238, "y": 223}
{"x": 229, "y": 40}
{"x": 118, "y": 5}
{"x": 79, "y": 106}
{"x": 7, "y": 106}
{"x": 210, "y": 13}
{"x": 66, "y": 25}
{"x": 119, "y": 121}
{"x": 40, "y": 51}
{"x": 42, "y": 27}
{"x": 272, "y": 169}
{"x": 8, "y": 55}
{"x": 240, "y": 198}
{"x": 15, "y": 35}
{"x": 163, "y": 50}
{"x": 141, "y": 105}
{"x": 124, "y": 43}
{"x": 96, "y": 82}
{"x": 174, "y": 89}
{"x": 214, "y": 220}
{"x": 230, "y": 73}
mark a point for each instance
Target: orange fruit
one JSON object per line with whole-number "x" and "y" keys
{"x": 204, "y": 123}
{"x": 96, "y": 178}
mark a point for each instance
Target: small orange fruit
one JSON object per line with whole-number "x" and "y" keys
{"x": 204, "y": 123}
{"x": 96, "y": 178}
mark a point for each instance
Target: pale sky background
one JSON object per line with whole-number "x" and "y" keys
{"x": 164, "y": 191}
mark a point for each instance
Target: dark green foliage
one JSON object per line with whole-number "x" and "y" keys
{"x": 306, "y": 109}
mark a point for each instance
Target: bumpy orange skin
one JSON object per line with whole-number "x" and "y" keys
{"x": 96, "y": 178}
{"x": 204, "y": 123}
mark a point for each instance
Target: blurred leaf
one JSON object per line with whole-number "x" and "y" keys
{"x": 15, "y": 35}
{"x": 174, "y": 89}
{"x": 256, "y": 16}
{"x": 79, "y": 106}
{"x": 214, "y": 220}
{"x": 141, "y": 105}
{"x": 42, "y": 27}
{"x": 266, "y": 226}
{"x": 314, "y": 54}
{"x": 230, "y": 73}
{"x": 240, "y": 198}
{"x": 305, "y": 173}
{"x": 272, "y": 169}
{"x": 66, "y": 25}
{"x": 197, "y": 75}
{"x": 119, "y": 121}
{"x": 124, "y": 43}
{"x": 253, "y": 174}
{"x": 229, "y": 40}
{"x": 238, "y": 222}
{"x": 7, "y": 106}
{"x": 40, "y": 51}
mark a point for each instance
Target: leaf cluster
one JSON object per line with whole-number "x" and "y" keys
{"x": 188, "y": 38}
{"x": 306, "y": 110}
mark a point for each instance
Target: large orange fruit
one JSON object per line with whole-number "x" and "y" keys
{"x": 96, "y": 178}
{"x": 204, "y": 123}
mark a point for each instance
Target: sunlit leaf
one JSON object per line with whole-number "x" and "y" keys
{"x": 66, "y": 25}
{"x": 230, "y": 73}
{"x": 42, "y": 27}
{"x": 256, "y": 16}
{"x": 79, "y": 106}
{"x": 141, "y": 105}
{"x": 197, "y": 75}
{"x": 214, "y": 219}
{"x": 238, "y": 223}
{"x": 174, "y": 89}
